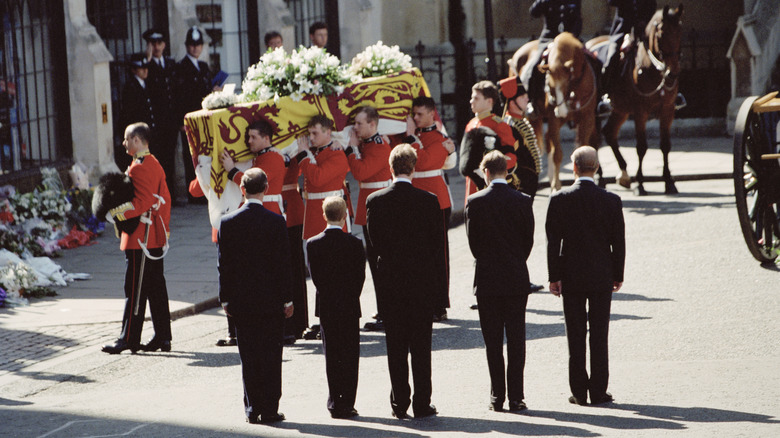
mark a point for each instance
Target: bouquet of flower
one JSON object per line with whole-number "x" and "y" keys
{"x": 304, "y": 71}
{"x": 80, "y": 213}
{"x": 380, "y": 60}
{"x": 219, "y": 99}
{"x": 49, "y": 205}
{"x": 16, "y": 277}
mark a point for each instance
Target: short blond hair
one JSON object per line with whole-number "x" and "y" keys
{"x": 495, "y": 162}
{"x": 335, "y": 208}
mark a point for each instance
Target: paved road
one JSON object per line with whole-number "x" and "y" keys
{"x": 693, "y": 353}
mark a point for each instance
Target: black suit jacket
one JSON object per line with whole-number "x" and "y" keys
{"x": 337, "y": 264}
{"x": 254, "y": 262}
{"x": 500, "y": 228}
{"x": 160, "y": 84}
{"x": 586, "y": 247}
{"x": 631, "y": 14}
{"x": 136, "y": 104}
{"x": 406, "y": 229}
{"x": 558, "y": 14}
{"x": 192, "y": 85}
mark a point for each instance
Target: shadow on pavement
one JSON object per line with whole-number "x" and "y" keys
{"x": 695, "y": 414}
{"x": 653, "y": 207}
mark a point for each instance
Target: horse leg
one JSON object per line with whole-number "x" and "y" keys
{"x": 640, "y": 120}
{"x": 611, "y": 130}
{"x": 667, "y": 116}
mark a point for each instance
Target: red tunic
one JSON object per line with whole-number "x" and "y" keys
{"x": 431, "y": 155}
{"x": 373, "y": 168}
{"x": 323, "y": 172}
{"x": 272, "y": 163}
{"x": 148, "y": 179}
{"x": 291, "y": 195}
{"x": 504, "y": 131}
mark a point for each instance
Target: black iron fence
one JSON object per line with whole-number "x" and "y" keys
{"x": 34, "y": 116}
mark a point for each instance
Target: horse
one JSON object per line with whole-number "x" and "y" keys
{"x": 571, "y": 97}
{"x": 647, "y": 87}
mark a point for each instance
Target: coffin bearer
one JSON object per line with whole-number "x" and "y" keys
{"x": 193, "y": 83}
{"x": 433, "y": 148}
{"x": 144, "y": 248}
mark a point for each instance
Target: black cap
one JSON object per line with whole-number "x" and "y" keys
{"x": 194, "y": 36}
{"x": 153, "y": 35}
{"x": 137, "y": 60}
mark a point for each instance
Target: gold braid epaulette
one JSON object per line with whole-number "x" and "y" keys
{"x": 529, "y": 139}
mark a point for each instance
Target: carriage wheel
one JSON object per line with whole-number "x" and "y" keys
{"x": 759, "y": 214}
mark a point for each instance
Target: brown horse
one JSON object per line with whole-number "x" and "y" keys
{"x": 648, "y": 87}
{"x": 571, "y": 97}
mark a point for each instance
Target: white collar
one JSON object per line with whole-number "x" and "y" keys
{"x": 160, "y": 61}
{"x": 254, "y": 201}
{"x": 586, "y": 178}
{"x": 402, "y": 179}
{"x": 194, "y": 61}
{"x": 333, "y": 227}
{"x": 498, "y": 181}
{"x": 141, "y": 81}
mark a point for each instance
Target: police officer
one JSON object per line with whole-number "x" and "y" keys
{"x": 136, "y": 103}
{"x": 161, "y": 84}
{"x": 193, "y": 83}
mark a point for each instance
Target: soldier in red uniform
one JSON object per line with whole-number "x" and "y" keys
{"x": 153, "y": 201}
{"x": 293, "y": 205}
{"x": 368, "y": 155}
{"x": 484, "y": 95}
{"x": 258, "y": 140}
{"x": 432, "y": 149}
{"x": 324, "y": 170}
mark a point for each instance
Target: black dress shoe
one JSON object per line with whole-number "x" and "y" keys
{"x": 252, "y": 420}
{"x": 517, "y": 406}
{"x": 344, "y": 413}
{"x": 439, "y": 317}
{"x": 474, "y": 307}
{"x": 119, "y": 346}
{"x": 230, "y": 341}
{"x": 606, "y": 398}
{"x": 576, "y": 401}
{"x": 289, "y": 340}
{"x": 496, "y": 406}
{"x": 400, "y": 415}
{"x": 376, "y": 326}
{"x": 536, "y": 287}
{"x": 425, "y": 412}
{"x": 154, "y": 345}
{"x": 273, "y": 418}
{"x": 312, "y": 333}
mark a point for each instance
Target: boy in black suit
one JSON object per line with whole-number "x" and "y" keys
{"x": 586, "y": 252}
{"x": 337, "y": 264}
{"x": 500, "y": 228}
{"x": 255, "y": 289}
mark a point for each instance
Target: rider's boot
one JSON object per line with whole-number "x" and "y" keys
{"x": 680, "y": 102}
{"x": 604, "y": 108}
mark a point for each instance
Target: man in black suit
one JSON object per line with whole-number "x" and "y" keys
{"x": 500, "y": 228}
{"x": 255, "y": 289}
{"x": 586, "y": 251}
{"x": 407, "y": 233}
{"x": 337, "y": 264}
{"x": 161, "y": 84}
{"x": 193, "y": 83}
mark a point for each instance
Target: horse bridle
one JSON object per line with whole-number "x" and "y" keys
{"x": 570, "y": 99}
{"x": 659, "y": 64}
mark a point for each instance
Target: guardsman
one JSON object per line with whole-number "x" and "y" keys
{"x": 484, "y": 95}
{"x": 136, "y": 103}
{"x": 324, "y": 170}
{"x": 433, "y": 148}
{"x": 293, "y": 206}
{"x": 529, "y": 161}
{"x": 144, "y": 277}
{"x": 193, "y": 83}
{"x": 161, "y": 85}
{"x": 368, "y": 155}
{"x": 258, "y": 140}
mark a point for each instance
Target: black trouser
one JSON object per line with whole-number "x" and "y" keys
{"x": 341, "y": 345}
{"x": 532, "y": 78}
{"x": 446, "y": 213}
{"x": 260, "y": 348}
{"x": 372, "y": 257}
{"x": 499, "y": 314}
{"x": 153, "y": 287}
{"x": 163, "y": 147}
{"x": 578, "y": 320}
{"x": 295, "y": 325}
{"x": 409, "y": 333}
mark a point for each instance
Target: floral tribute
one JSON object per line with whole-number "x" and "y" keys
{"x": 380, "y": 60}
{"x": 219, "y": 99}
{"x": 304, "y": 71}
